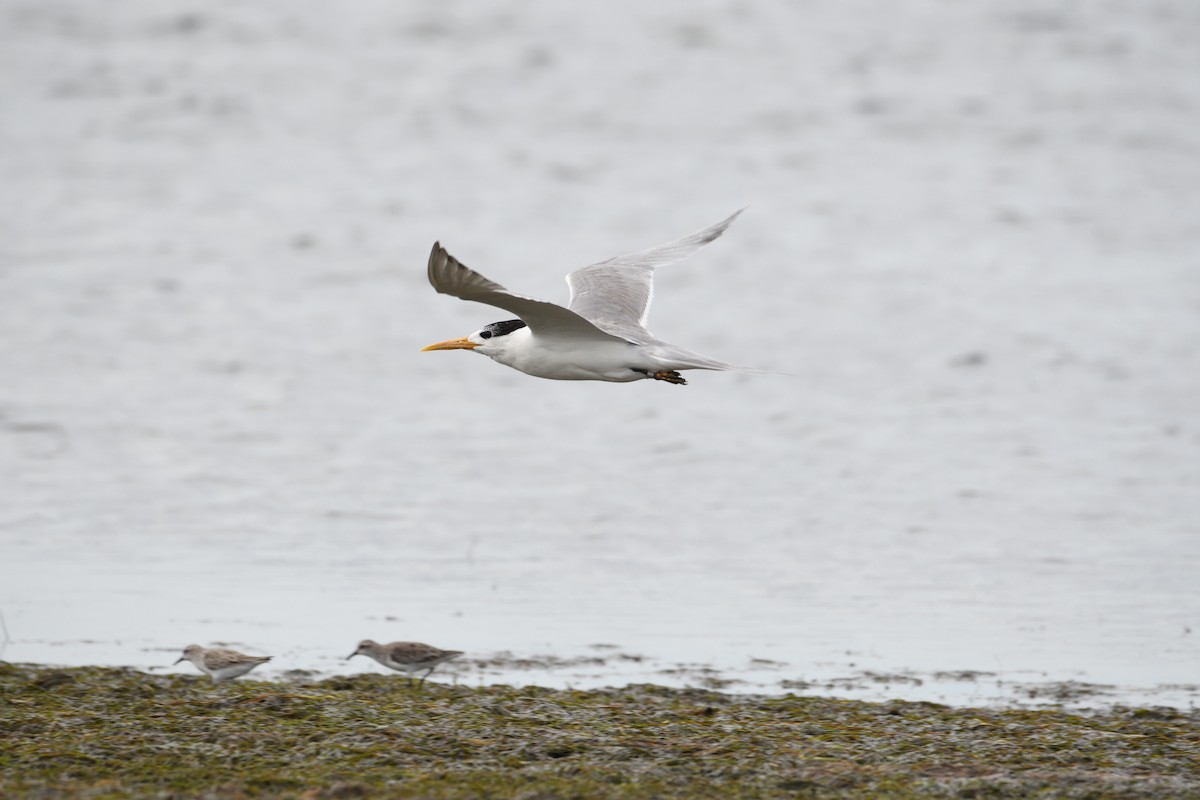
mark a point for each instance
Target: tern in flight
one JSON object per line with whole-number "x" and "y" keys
{"x": 600, "y": 336}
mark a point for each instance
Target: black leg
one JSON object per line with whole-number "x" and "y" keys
{"x": 670, "y": 376}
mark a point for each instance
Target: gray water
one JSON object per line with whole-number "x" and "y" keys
{"x": 971, "y": 251}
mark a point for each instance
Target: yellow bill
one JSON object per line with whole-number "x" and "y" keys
{"x": 452, "y": 344}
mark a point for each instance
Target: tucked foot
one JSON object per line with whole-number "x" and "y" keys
{"x": 670, "y": 376}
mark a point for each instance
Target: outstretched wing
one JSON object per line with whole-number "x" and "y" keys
{"x": 615, "y": 294}
{"x": 450, "y": 276}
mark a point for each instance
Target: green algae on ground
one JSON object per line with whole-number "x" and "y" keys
{"x": 107, "y": 733}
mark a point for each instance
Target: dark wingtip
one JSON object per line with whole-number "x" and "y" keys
{"x": 438, "y": 258}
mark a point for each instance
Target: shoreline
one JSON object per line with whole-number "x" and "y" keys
{"x": 112, "y": 733}
{"x": 613, "y": 667}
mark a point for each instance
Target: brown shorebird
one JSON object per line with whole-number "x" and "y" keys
{"x": 407, "y": 657}
{"x": 221, "y": 664}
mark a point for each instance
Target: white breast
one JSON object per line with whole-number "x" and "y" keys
{"x": 572, "y": 359}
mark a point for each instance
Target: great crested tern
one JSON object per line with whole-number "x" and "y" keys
{"x": 600, "y": 336}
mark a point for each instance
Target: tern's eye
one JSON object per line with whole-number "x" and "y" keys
{"x": 485, "y": 335}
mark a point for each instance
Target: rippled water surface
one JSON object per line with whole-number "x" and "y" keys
{"x": 971, "y": 250}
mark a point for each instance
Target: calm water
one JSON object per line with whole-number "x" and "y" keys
{"x": 215, "y": 425}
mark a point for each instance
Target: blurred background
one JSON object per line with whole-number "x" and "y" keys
{"x": 972, "y": 246}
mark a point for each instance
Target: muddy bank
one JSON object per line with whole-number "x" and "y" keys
{"x": 120, "y": 733}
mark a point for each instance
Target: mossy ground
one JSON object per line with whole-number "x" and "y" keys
{"x": 106, "y": 733}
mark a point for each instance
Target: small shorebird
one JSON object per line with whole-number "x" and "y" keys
{"x": 599, "y": 336}
{"x": 407, "y": 657}
{"x": 220, "y": 664}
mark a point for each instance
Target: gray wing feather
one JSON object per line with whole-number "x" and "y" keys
{"x": 450, "y": 276}
{"x": 615, "y": 294}
{"x": 418, "y": 653}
